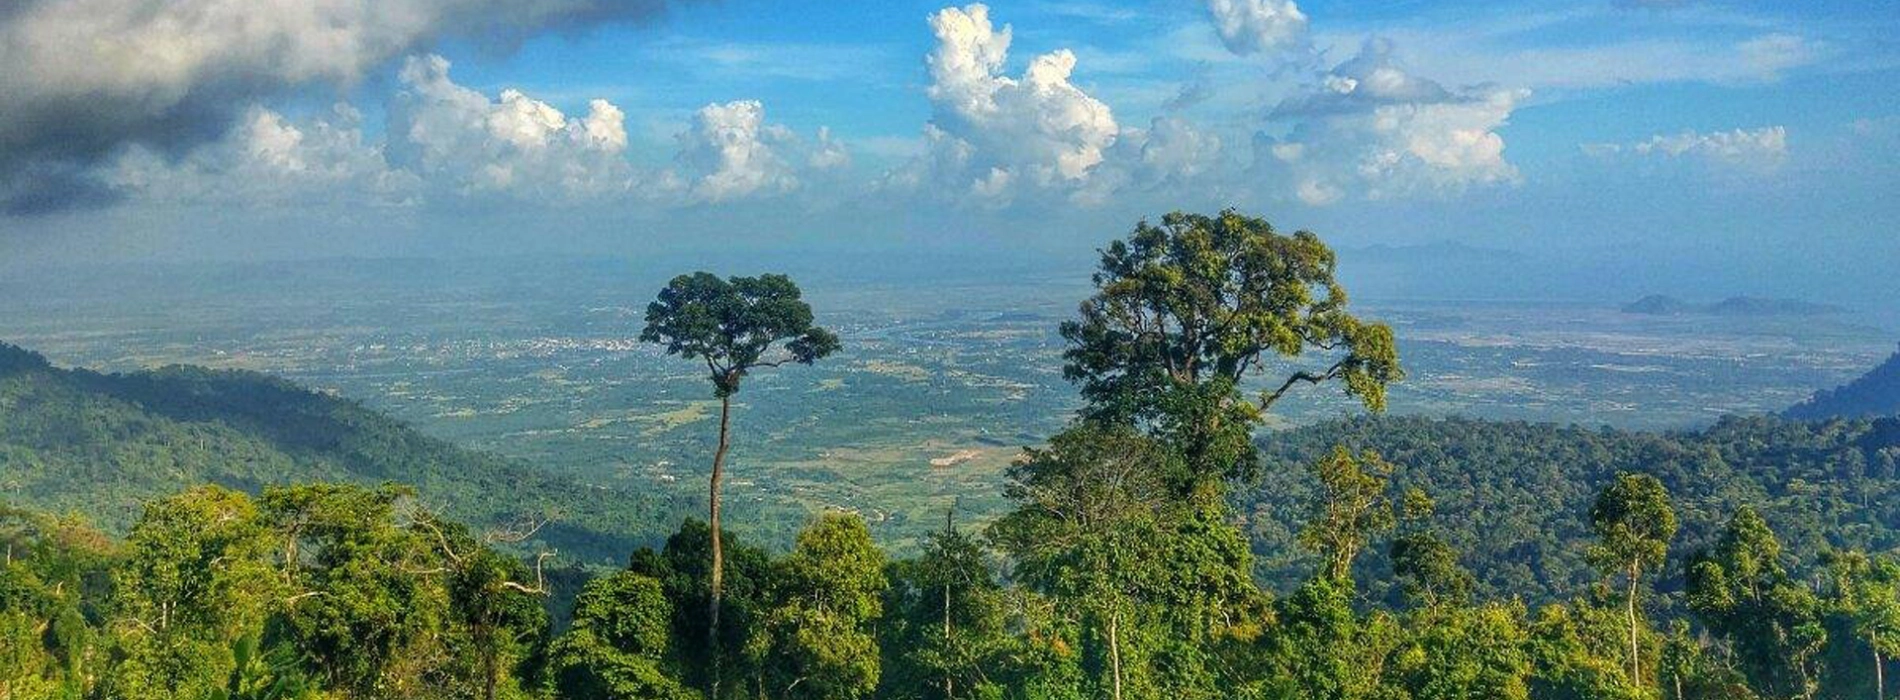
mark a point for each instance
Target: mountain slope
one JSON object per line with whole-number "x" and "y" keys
{"x": 1514, "y": 497}
{"x": 98, "y": 444}
{"x": 1876, "y": 393}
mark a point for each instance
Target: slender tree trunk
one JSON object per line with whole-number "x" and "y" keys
{"x": 949, "y": 684}
{"x": 1115, "y": 652}
{"x": 1880, "y": 677}
{"x": 1636, "y": 665}
{"x": 490, "y": 670}
{"x": 718, "y": 547}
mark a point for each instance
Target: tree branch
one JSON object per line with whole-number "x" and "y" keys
{"x": 1301, "y": 376}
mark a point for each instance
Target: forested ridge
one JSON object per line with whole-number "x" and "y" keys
{"x": 1160, "y": 546}
{"x": 73, "y": 440}
{"x": 1876, "y": 393}
{"x": 1514, "y": 497}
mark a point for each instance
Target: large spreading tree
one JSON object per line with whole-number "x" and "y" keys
{"x": 1188, "y": 316}
{"x": 735, "y": 326}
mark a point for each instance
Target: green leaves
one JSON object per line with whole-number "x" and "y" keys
{"x": 731, "y": 325}
{"x": 1634, "y": 522}
{"x": 1188, "y": 313}
{"x": 1773, "y": 624}
{"x": 618, "y": 644}
{"x": 1353, "y": 508}
{"x": 1200, "y": 297}
{"x": 818, "y": 639}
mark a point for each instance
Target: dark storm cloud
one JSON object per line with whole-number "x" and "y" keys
{"x": 84, "y": 79}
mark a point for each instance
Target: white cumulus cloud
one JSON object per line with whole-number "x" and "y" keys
{"x": 1756, "y": 149}
{"x": 1256, "y": 26}
{"x": 460, "y": 139}
{"x": 85, "y": 78}
{"x": 270, "y": 159}
{"x": 445, "y": 142}
{"x": 1369, "y": 127}
{"x": 993, "y": 137}
{"x": 730, "y": 151}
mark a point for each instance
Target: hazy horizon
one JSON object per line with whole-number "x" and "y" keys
{"x": 1699, "y": 148}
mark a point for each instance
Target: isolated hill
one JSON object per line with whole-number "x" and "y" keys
{"x": 1876, "y": 393}
{"x": 1514, "y": 497}
{"x": 1664, "y": 305}
{"x": 1659, "y": 305}
{"x": 99, "y": 444}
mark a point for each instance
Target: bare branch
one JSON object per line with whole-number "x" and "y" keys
{"x": 1301, "y": 376}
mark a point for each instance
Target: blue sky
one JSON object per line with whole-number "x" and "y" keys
{"x": 1729, "y": 132}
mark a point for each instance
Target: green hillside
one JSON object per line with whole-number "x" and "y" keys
{"x": 1876, "y": 393}
{"x": 1515, "y": 496}
{"x": 100, "y": 444}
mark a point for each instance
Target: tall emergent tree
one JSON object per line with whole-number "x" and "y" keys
{"x": 818, "y": 641}
{"x": 1184, "y": 313}
{"x": 735, "y": 326}
{"x": 1634, "y": 523}
{"x": 1353, "y": 508}
{"x": 1866, "y": 592}
{"x": 1089, "y": 528}
{"x": 1772, "y": 622}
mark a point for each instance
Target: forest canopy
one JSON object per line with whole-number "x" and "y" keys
{"x": 265, "y": 541}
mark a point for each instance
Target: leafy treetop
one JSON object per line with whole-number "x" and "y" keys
{"x": 1219, "y": 298}
{"x": 733, "y": 323}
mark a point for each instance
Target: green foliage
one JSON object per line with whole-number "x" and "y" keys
{"x": 1741, "y": 590}
{"x": 195, "y": 580}
{"x": 356, "y": 609}
{"x": 1634, "y": 522}
{"x": 1353, "y": 508}
{"x": 817, "y": 641}
{"x": 1125, "y": 572}
{"x": 1580, "y": 652}
{"x": 257, "y": 674}
{"x": 1514, "y": 498}
{"x": 684, "y": 569}
{"x": 1186, "y": 312}
{"x": 337, "y": 591}
{"x": 101, "y": 444}
{"x": 945, "y": 634}
{"x": 53, "y": 584}
{"x": 618, "y": 646}
{"x": 1863, "y": 600}
{"x": 730, "y": 324}
{"x": 1465, "y": 652}
{"x": 1318, "y": 647}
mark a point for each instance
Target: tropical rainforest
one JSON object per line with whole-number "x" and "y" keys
{"x": 182, "y": 533}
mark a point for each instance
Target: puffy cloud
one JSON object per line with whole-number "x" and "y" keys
{"x": 460, "y": 139}
{"x": 1255, "y": 26}
{"x": 85, "y": 78}
{"x": 1370, "y": 127}
{"x": 1171, "y": 153}
{"x": 1761, "y": 149}
{"x": 731, "y": 152}
{"x": 269, "y": 159}
{"x": 992, "y": 136}
{"x": 445, "y": 141}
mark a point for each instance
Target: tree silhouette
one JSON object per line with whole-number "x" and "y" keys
{"x": 735, "y": 326}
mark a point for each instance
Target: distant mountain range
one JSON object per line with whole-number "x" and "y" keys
{"x": 1876, "y": 393}
{"x": 100, "y": 444}
{"x": 1662, "y": 305}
